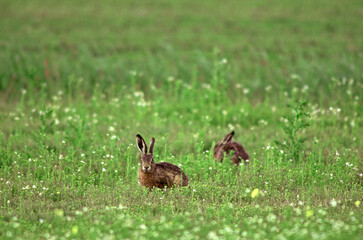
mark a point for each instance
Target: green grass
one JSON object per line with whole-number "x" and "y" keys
{"x": 79, "y": 80}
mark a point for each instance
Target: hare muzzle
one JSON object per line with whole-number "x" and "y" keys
{"x": 146, "y": 169}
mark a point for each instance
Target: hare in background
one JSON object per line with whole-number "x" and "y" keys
{"x": 226, "y": 145}
{"x": 159, "y": 175}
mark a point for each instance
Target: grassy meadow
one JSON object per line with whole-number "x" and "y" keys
{"x": 79, "y": 80}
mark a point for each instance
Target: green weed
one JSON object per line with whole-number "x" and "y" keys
{"x": 296, "y": 122}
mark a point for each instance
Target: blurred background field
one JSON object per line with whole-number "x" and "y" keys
{"x": 78, "y": 81}
{"x": 265, "y": 43}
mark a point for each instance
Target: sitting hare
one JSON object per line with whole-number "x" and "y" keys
{"x": 158, "y": 175}
{"x": 226, "y": 145}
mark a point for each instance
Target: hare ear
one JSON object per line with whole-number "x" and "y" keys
{"x": 228, "y": 137}
{"x": 141, "y": 144}
{"x": 151, "y": 151}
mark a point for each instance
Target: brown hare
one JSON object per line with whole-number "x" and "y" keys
{"x": 158, "y": 175}
{"x": 226, "y": 145}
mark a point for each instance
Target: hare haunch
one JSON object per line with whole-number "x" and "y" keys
{"x": 226, "y": 145}
{"x": 158, "y": 175}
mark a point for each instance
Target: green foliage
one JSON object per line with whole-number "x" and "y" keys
{"x": 296, "y": 122}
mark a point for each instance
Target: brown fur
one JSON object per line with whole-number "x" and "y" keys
{"x": 159, "y": 175}
{"x": 163, "y": 175}
{"x": 226, "y": 145}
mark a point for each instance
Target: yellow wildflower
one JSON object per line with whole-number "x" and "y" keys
{"x": 254, "y": 193}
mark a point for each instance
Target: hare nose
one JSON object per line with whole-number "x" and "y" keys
{"x": 146, "y": 167}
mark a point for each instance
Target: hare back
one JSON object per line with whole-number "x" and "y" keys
{"x": 174, "y": 173}
{"x": 239, "y": 152}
